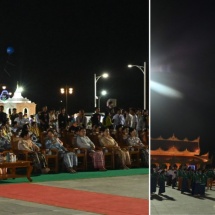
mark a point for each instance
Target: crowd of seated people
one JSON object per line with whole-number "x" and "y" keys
{"x": 56, "y": 125}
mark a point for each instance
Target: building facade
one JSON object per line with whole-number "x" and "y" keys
{"x": 23, "y": 105}
{"x": 173, "y": 151}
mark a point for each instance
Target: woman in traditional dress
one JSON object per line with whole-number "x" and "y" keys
{"x": 38, "y": 158}
{"x": 70, "y": 159}
{"x": 109, "y": 142}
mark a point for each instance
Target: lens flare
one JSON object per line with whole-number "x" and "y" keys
{"x": 165, "y": 90}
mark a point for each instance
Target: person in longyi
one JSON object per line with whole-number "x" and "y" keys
{"x": 107, "y": 141}
{"x": 35, "y": 154}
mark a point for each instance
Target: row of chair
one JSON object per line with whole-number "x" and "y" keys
{"x": 84, "y": 161}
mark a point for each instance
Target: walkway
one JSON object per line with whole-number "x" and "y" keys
{"x": 127, "y": 186}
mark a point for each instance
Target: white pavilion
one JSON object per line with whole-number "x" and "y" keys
{"x": 23, "y": 105}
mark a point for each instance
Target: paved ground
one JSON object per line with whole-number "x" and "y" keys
{"x": 175, "y": 203}
{"x": 131, "y": 186}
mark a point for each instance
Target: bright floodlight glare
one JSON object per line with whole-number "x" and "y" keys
{"x": 104, "y": 92}
{"x": 70, "y": 90}
{"x": 129, "y": 65}
{"x": 62, "y": 90}
{"x": 165, "y": 90}
{"x": 105, "y": 75}
{"x": 21, "y": 89}
{"x": 3, "y": 87}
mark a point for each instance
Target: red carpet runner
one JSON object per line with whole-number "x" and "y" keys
{"x": 76, "y": 199}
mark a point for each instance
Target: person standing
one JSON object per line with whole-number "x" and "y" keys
{"x": 63, "y": 120}
{"x": 210, "y": 175}
{"x": 13, "y": 116}
{"x": 128, "y": 118}
{"x": 44, "y": 119}
{"x": 118, "y": 118}
{"x": 110, "y": 108}
{"x": 161, "y": 182}
{"x": 3, "y": 115}
{"x": 140, "y": 122}
{"x": 96, "y": 117}
{"x": 174, "y": 177}
{"x": 107, "y": 121}
{"x": 133, "y": 118}
{"x": 81, "y": 119}
{"x": 154, "y": 180}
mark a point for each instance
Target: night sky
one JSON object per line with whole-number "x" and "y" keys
{"x": 59, "y": 43}
{"x": 182, "y": 58}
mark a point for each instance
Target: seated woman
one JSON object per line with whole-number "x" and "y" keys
{"x": 6, "y": 131}
{"x": 4, "y": 142}
{"x": 69, "y": 158}
{"x": 121, "y": 135}
{"x": 38, "y": 158}
{"x": 134, "y": 140}
{"x": 84, "y": 141}
{"x": 34, "y": 135}
{"x": 109, "y": 142}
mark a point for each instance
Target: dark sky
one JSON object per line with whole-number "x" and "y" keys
{"x": 59, "y": 43}
{"x": 182, "y": 58}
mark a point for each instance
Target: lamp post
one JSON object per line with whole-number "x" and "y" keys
{"x": 96, "y": 78}
{"x": 143, "y": 70}
{"x": 66, "y": 90}
{"x": 103, "y": 93}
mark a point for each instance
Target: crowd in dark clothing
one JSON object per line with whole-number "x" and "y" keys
{"x": 184, "y": 179}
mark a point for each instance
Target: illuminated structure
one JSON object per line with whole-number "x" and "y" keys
{"x": 23, "y": 105}
{"x": 173, "y": 151}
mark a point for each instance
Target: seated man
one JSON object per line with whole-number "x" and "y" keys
{"x": 84, "y": 141}
{"x": 38, "y": 158}
{"x": 69, "y": 158}
{"x": 134, "y": 140}
{"x": 21, "y": 120}
{"x": 15, "y": 129}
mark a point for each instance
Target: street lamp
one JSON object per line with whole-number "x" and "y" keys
{"x": 96, "y": 78}
{"x": 143, "y": 70}
{"x": 66, "y": 90}
{"x": 103, "y": 93}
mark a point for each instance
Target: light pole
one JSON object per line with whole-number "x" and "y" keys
{"x": 96, "y": 78}
{"x": 143, "y": 70}
{"x": 66, "y": 90}
{"x": 103, "y": 93}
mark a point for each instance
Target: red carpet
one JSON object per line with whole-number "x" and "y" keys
{"x": 76, "y": 199}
